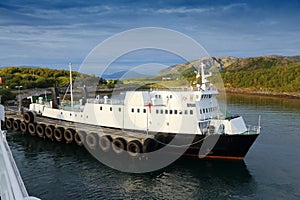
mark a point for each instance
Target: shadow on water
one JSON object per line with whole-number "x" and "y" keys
{"x": 58, "y": 171}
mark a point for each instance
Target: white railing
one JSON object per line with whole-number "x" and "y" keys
{"x": 251, "y": 129}
{"x": 11, "y": 183}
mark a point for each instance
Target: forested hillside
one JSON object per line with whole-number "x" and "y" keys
{"x": 264, "y": 74}
{"x": 39, "y": 77}
{"x": 267, "y": 74}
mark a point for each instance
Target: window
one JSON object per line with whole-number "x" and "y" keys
{"x": 157, "y": 111}
{"x": 70, "y": 114}
{"x": 87, "y": 116}
{"x": 159, "y": 96}
{"x": 166, "y": 111}
{"x": 138, "y": 110}
{"x": 170, "y": 96}
{"x": 200, "y": 111}
{"x": 171, "y": 112}
{"x": 206, "y": 110}
{"x": 175, "y": 112}
{"x": 110, "y": 108}
{"x": 120, "y": 109}
{"x": 185, "y": 112}
{"x": 132, "y": 109}
{"x": 180, "y": 112}
{"x": 191, "y": 112}
{"x": 144, "y": 111}
{"x": 100, "y": 107}
{"x": 203, "y": 110}
{"x": 161, "y": 111}
{"x": 156, "y": 96}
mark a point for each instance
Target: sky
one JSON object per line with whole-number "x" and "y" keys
{"x": 52, "y": 33}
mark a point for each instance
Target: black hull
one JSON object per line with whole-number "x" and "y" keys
{"x": 218, "y": 146}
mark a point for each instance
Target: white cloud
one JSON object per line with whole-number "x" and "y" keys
{"x": 234, "y": 5}
{"x": 183, "y": 10}
{"x": 199, "y": 10}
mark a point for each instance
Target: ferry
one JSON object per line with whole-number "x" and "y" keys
{"x": 192, "y": 115}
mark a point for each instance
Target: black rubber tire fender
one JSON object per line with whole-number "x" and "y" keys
{"x": 119, "y": 145}
{"x": 69, "y": 135}
{"x": 32, "y": 128}
{"x": 79, "y": 137}
{"x": 16, "y": 125}
{"x": 134, "y": 148}
{"x": 49, "y": 132}
{"x": 40, "y": 130}
{"x": 23, "y": 127}
{"x": 91, "y": 140}
{"x": 59, "y": 134}
{"x": 105, "y": 143}
{"x": 150, "y": 145}
{"x": 9, "y": 123}
{"x": 29, "y": 116}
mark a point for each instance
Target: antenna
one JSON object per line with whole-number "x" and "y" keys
{"x": 71, "y": 86}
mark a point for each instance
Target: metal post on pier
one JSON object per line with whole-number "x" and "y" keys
{"x": 20, "y": 99}
{"x": 71, "y": 86}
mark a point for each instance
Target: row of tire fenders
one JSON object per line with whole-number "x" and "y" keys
{"x": 92, "y": 140}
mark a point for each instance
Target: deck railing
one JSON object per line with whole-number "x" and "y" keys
{"x": 11, "y": 183}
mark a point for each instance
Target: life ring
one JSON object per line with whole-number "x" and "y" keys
{"x": 79, "y": 137}
{"x": 40, "y": 130}
{"x": 119, "y": 145}
{"x": 134, "y": 148}
{"x": 32, "y": 128}
{"x": 49, "y": 131}
{"x": 105, "y": 143}
{"x": 29, "y": 117}
{"x": 58, "y": 134}
{"x": 69, "y": 135}
{"x": 91, "y": 140}
{"x": 9, "y": 123}
{"x": 16, "y": 125}
{"x": 23, "y": 127}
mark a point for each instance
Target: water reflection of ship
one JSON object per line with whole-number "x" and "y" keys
{"x": 190, "y": 179}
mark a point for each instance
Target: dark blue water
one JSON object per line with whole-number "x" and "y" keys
{"x": 270, "y": 170}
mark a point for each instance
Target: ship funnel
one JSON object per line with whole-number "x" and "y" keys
{"x": 55, "y": 98}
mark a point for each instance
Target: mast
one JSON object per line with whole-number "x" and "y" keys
{"x": 71, "y": 86}
{"x": 204, "y": 77}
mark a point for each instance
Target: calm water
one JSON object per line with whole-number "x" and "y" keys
{"x": 270, "y": 170}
